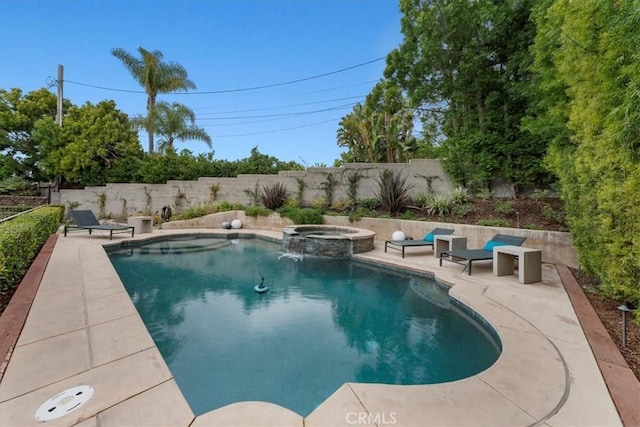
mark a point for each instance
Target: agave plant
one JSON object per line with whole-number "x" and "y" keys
{"x": 393, "y": 191}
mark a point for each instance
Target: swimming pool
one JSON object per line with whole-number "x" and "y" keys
{"x": 322, "y": 323}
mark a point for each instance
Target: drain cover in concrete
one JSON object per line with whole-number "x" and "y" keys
{"x": 63, "y": 403}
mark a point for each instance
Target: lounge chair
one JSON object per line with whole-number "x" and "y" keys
{"x": 400, "y": 245}
{"x": 86, "y": 220}
{"x": 486, "y": 253}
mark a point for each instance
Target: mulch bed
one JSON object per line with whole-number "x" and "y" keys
{"x": 611, "y": 317}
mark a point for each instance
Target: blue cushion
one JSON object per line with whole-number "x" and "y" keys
{"x": 428, "y": 238}
{"x": 491, "y": 243}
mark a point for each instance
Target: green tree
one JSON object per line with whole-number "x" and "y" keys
{"x": 258, "y": 163}
{"x": 174, "y": 122}
{"x": 589, "y": 52}
{"x": 19, "y": 152}
{"x": 381, "y": 129}
{"x": 91, "y": 143}
{"x": 466, "y": 65}
{"x": 393, "y": 118}
{"x": 155, "y": 76}
{"x": 356, "y": 134}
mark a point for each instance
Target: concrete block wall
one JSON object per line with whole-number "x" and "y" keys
{"x": 129, "y": 199}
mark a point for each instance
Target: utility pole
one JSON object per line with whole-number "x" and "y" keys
{"x": 59, "y": 112}
{"x": 59, "y": 85}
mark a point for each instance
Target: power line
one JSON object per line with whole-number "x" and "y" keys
{"x": 274, "y": 131}
{"x": 238, "y": 89}
{"x": 296, "y": 95}
{"x": 283, "y": 106}
{"x": 299, "y": 113}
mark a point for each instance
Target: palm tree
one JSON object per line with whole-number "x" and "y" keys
{"x": 155, "y": 76}
{"x": 174, "y": 122}
{"x": 357, "y": 134}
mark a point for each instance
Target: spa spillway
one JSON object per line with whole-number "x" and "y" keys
{"x": 326, "y": 241}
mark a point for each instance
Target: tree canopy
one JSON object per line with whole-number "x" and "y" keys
{"x": 93, "y": 140}
{"x": 465, "y": 64}
{"x": 155, "y": 76}
{"x": 173, "y": 122}
{"x": 381, "y": 129}
{"x": 19, "y": 115}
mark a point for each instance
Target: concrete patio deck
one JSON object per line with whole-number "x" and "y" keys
{"x": 83, "y": 329}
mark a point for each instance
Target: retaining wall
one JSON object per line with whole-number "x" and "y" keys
{"x": 557, "y": 247}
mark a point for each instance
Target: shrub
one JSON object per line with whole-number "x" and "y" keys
{"x": 393, "y": 191}
{"x": 317, "y": 203}
{"x": 370, "y": 204}
{"x": 255, "y": 211}
{"x": 274, "y": 196}
{"x": 494, "y": 222}
{"x": 551, "y": 214}
{"x": 423, "y": 200}
{"x": 484, "y": 193}
{"x": 408, "y": 215}
{"x": 303, "y": 215}
{"x": 460, "y": 195}
{"x": 462, "y": 210}
{"x": 196, "y": 211}
{"x": 341, "y": 205}
{"x": 225, "y": 206}
{"x": 539, "y": 195}
{"x": 20, "y": 240}
{"x": 505, "y": 207}
{"x": 292, "y": 203}
{"x": 440, "y": 204}
{"x": 358, "y": 214}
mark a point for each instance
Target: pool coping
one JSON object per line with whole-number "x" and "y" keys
{"x": 362, "y": 392}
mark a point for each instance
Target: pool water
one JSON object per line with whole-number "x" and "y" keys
{"x": 322, "y": 323}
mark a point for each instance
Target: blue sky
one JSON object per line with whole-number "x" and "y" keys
{"x": 224, "y": 45}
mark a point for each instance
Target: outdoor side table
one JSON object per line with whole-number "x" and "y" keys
{"x": 447, "y": 242}
{"x": 141, "y": 224}
{"x": 529, "y": 262}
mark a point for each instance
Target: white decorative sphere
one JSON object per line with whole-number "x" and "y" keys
{"x": 398, "y": 235}
{"x": 236, "y": 223}
{"x": 226, "y": 225}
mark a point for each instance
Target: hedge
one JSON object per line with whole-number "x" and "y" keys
{"x": 21, "y": 239}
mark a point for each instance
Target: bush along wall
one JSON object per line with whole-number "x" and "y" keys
{"x": 20, "y": 240}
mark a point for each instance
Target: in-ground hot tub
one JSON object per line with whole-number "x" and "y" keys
{"x": 326, "y": 240}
